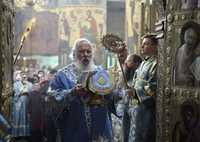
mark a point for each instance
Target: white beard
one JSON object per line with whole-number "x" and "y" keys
{"x": 85, "y": 68}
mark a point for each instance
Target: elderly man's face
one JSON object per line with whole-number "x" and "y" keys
{"x": 84, "y": 53}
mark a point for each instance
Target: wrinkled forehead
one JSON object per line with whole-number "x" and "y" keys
{"x": 84, "y": 45}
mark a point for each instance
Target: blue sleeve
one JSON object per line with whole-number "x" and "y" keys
{"x": 61, "y": 82}
{"x": 62, "y": 87}
{"x": 148, "y": 89}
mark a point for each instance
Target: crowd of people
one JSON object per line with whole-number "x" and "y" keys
{"x": 28, "y": 104}
{"x": 82, "y": 103}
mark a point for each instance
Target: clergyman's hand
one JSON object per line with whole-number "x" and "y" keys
{"x": 78, "y": 87}
{"x": 79, "y": 90}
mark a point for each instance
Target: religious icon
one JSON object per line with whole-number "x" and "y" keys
{"x": 187, "y": 129}
{"x": 187, "y": 70}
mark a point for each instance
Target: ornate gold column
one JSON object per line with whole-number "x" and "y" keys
{"x": 6, "y": 49}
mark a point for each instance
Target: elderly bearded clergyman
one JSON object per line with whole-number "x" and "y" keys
{"x": 87, "y": 89}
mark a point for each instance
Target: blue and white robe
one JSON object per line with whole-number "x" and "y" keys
{"x": 142, "y": 115}
{"x": 83, "y": 123}
{"x": 20, "y": 121}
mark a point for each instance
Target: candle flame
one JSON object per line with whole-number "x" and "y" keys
{"x": 28, "y": 29}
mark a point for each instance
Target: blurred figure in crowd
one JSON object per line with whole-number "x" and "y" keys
{"x": 41, "y": 75}
{"x": 20, "y": 119}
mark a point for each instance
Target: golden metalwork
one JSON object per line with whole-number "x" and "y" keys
{"x": 116, "y": 45}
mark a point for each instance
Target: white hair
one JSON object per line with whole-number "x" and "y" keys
{"x": 77, "y": 44}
